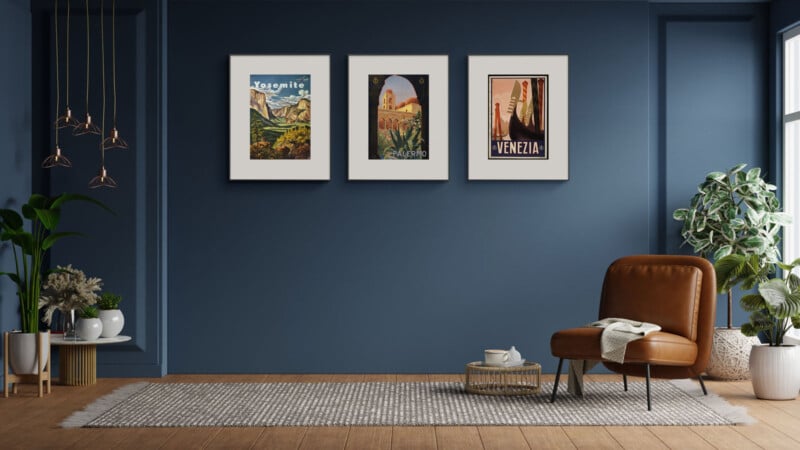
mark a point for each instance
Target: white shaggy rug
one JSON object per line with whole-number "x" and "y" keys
{"x": 342, "y": 404}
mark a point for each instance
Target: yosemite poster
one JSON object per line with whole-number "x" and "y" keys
{"x": 280, "y": 116}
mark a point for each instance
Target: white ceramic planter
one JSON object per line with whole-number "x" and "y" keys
{"x": 89, "y": 329}
{"x": 775, "y": 371}
{"x": 23, "y": 356}
{"x": 113, "y": 321}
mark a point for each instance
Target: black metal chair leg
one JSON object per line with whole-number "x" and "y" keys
{"x": 558, "y": 376}
{"x": 702, "y": 385}
{"x": 647, "y": 380}
{"x": 625, "y": 382}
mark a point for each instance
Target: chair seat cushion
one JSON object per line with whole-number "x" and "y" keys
{"x": 659, "y": 347}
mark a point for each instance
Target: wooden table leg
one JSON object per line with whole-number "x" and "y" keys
{"x": 78, "y": 365}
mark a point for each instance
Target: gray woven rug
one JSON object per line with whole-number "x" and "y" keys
{"x": 343, "y": 404}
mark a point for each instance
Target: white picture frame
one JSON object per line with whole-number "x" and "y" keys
{"x": 535, "y": 147}
{"x": 252, "y": 78}
{"x": 369, "y": 157}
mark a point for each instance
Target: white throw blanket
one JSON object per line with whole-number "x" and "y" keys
{"x": 617, "y": 333}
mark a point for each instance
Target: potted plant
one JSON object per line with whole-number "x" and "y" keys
{"x": 67, "y": 290}
{"x": 774, "y": 366}
{"x": 110, "y": 314}
{"x": 89, "y": 327}
{"x": 734, "y": 213}
{"x": 29, "y": 245}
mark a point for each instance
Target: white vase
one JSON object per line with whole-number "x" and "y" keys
{"x": 23, "y": 356}
{"x": 89, "y": 329}
{"x": 775, "y": 371}
{"x": 730, "y": 354}
{"x": 113, "y": 321}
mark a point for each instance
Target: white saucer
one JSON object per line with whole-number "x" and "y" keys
{"x": 506, "y": 364}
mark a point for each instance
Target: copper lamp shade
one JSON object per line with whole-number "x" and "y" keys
{"x": 102, "y": 180}
{"x": 56, "y": 160}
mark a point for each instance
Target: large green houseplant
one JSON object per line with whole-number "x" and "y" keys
{"x": 735, "y": 213}
{"x": 734, "y": 219}
{"x": 30, "y": 245}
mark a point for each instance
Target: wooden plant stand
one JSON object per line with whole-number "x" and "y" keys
{"x": 39, "y": 378}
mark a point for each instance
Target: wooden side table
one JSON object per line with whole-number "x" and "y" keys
{"x": 494, "y": 380}
{"x": 78, "y": 359}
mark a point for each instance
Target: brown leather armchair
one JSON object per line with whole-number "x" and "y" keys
{"x": 676, "y": 292}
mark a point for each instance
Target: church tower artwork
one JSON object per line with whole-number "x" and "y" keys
{"x": 398, "y": 117}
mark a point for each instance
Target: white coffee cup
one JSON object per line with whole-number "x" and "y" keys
{"x": 495, "y": 357}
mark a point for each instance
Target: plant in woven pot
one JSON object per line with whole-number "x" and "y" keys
{"x": 734, "y": 213}
{"x": 774, "y": 366}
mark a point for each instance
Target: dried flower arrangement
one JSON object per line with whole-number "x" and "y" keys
{"x": 68, "y": 288}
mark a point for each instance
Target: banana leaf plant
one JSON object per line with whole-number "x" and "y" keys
{"x": 735, "y": 213}
{"x": 776, "y": 307}
{"x": 30, "y": 246}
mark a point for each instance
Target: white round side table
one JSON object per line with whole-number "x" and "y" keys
{"x": 78, "y": 358}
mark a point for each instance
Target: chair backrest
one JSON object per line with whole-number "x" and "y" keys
{"x": 677, "y": 292}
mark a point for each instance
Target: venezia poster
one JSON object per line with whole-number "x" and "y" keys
{"x": 280, "y": 116}
{"x": 398, "y": 117}
{"x": 518, "y": 117}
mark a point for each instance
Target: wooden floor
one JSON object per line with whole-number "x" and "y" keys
{"x": 28, "y": 422}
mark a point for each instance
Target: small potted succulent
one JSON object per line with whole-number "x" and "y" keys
{"x": 110, "y": 314}
{"x": 89, "y": 327}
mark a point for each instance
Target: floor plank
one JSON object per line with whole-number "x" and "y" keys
{"x": 547, "y": 437}
{"x": 635, "y": 437}
{"x": 190, "y": 438}
{"x": 325, "y": 437}
{"x": 503, "y": 438}
{"x": 680, "y": 437}
{"x": 283, "y": 438}
{"x": 413, "y": 438}
{"x": 369, "y": 438}
{"x": 725, "y": 437}
{"x": 235, "y": 437}
{"x": 458, "y": 438}
{"x": 591, "y": 437}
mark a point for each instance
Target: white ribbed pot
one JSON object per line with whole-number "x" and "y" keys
{"x": 775, "y": 371}
{"x": 730, "y": 354}
{"x": 23, "y": 357}
{"x": 89, "y": 329}
{"x": 113, "y": 321}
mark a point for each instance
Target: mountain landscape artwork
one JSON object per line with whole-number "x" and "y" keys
{"x": 280, "y": 116}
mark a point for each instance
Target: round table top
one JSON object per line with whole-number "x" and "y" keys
{"x": 526, "y": 365}
{"x": 59, "y": 340}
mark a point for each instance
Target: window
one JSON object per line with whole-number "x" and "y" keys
{"x": 791, "y": 141}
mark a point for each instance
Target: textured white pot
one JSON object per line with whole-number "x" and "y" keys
{"x": 113, "y": 321}
{"x": 23, "y": 356}
{"x": 730, "y": 354}
{"x": 89, "y": 329}
{"x": 775, "y": 371}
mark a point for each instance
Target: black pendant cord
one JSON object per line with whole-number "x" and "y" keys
{"x": 103, "y": 66}
{"x": 114, "y": 55}
{"x": 88, "y": 56}
{"x": 67, "y": 53}
{"x": 58, "y": 77}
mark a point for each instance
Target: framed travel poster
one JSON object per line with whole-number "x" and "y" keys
{"x": 518, "y": 117}
{"x": 273, "y": 133}
{"x": 398, "y": 118}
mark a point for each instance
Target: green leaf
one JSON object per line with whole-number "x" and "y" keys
{"x": 49, "y": 217}
{"x": 752, "y": 302}
{"x": 796, "y": 321}
{"x": 781, "y": 218}
{"x": 10, "y": 219}
{"x": 716, "y": 176}
{"x": 722, "y": 252}
{"x": 680, "y": 214}
{"x": 774, "y": 292}
{"x": 14, "y": 277}
{"x": 753, "y": 174}
{"x": 28, "y": 212}
{"x": 748, "y": 329}
{"x": 738, "y": 168}
{"x": 63, "y": 198}
{"x": 53, "y": 238}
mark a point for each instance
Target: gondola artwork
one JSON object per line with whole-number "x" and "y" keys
{"x": 398, "y": 116}
{"x": 518, "y": 117}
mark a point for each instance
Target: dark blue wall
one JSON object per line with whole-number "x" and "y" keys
{"x": 15, "y": 134}
{"x": 417, "y": 276}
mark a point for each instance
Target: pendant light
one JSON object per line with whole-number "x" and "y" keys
{"x": 87, "y": 127}
{"x": 113, "y": 140}
{"x": 66, "y": 120}
{"x": 102, "y": 179}
{"x": 57, "y": 159}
